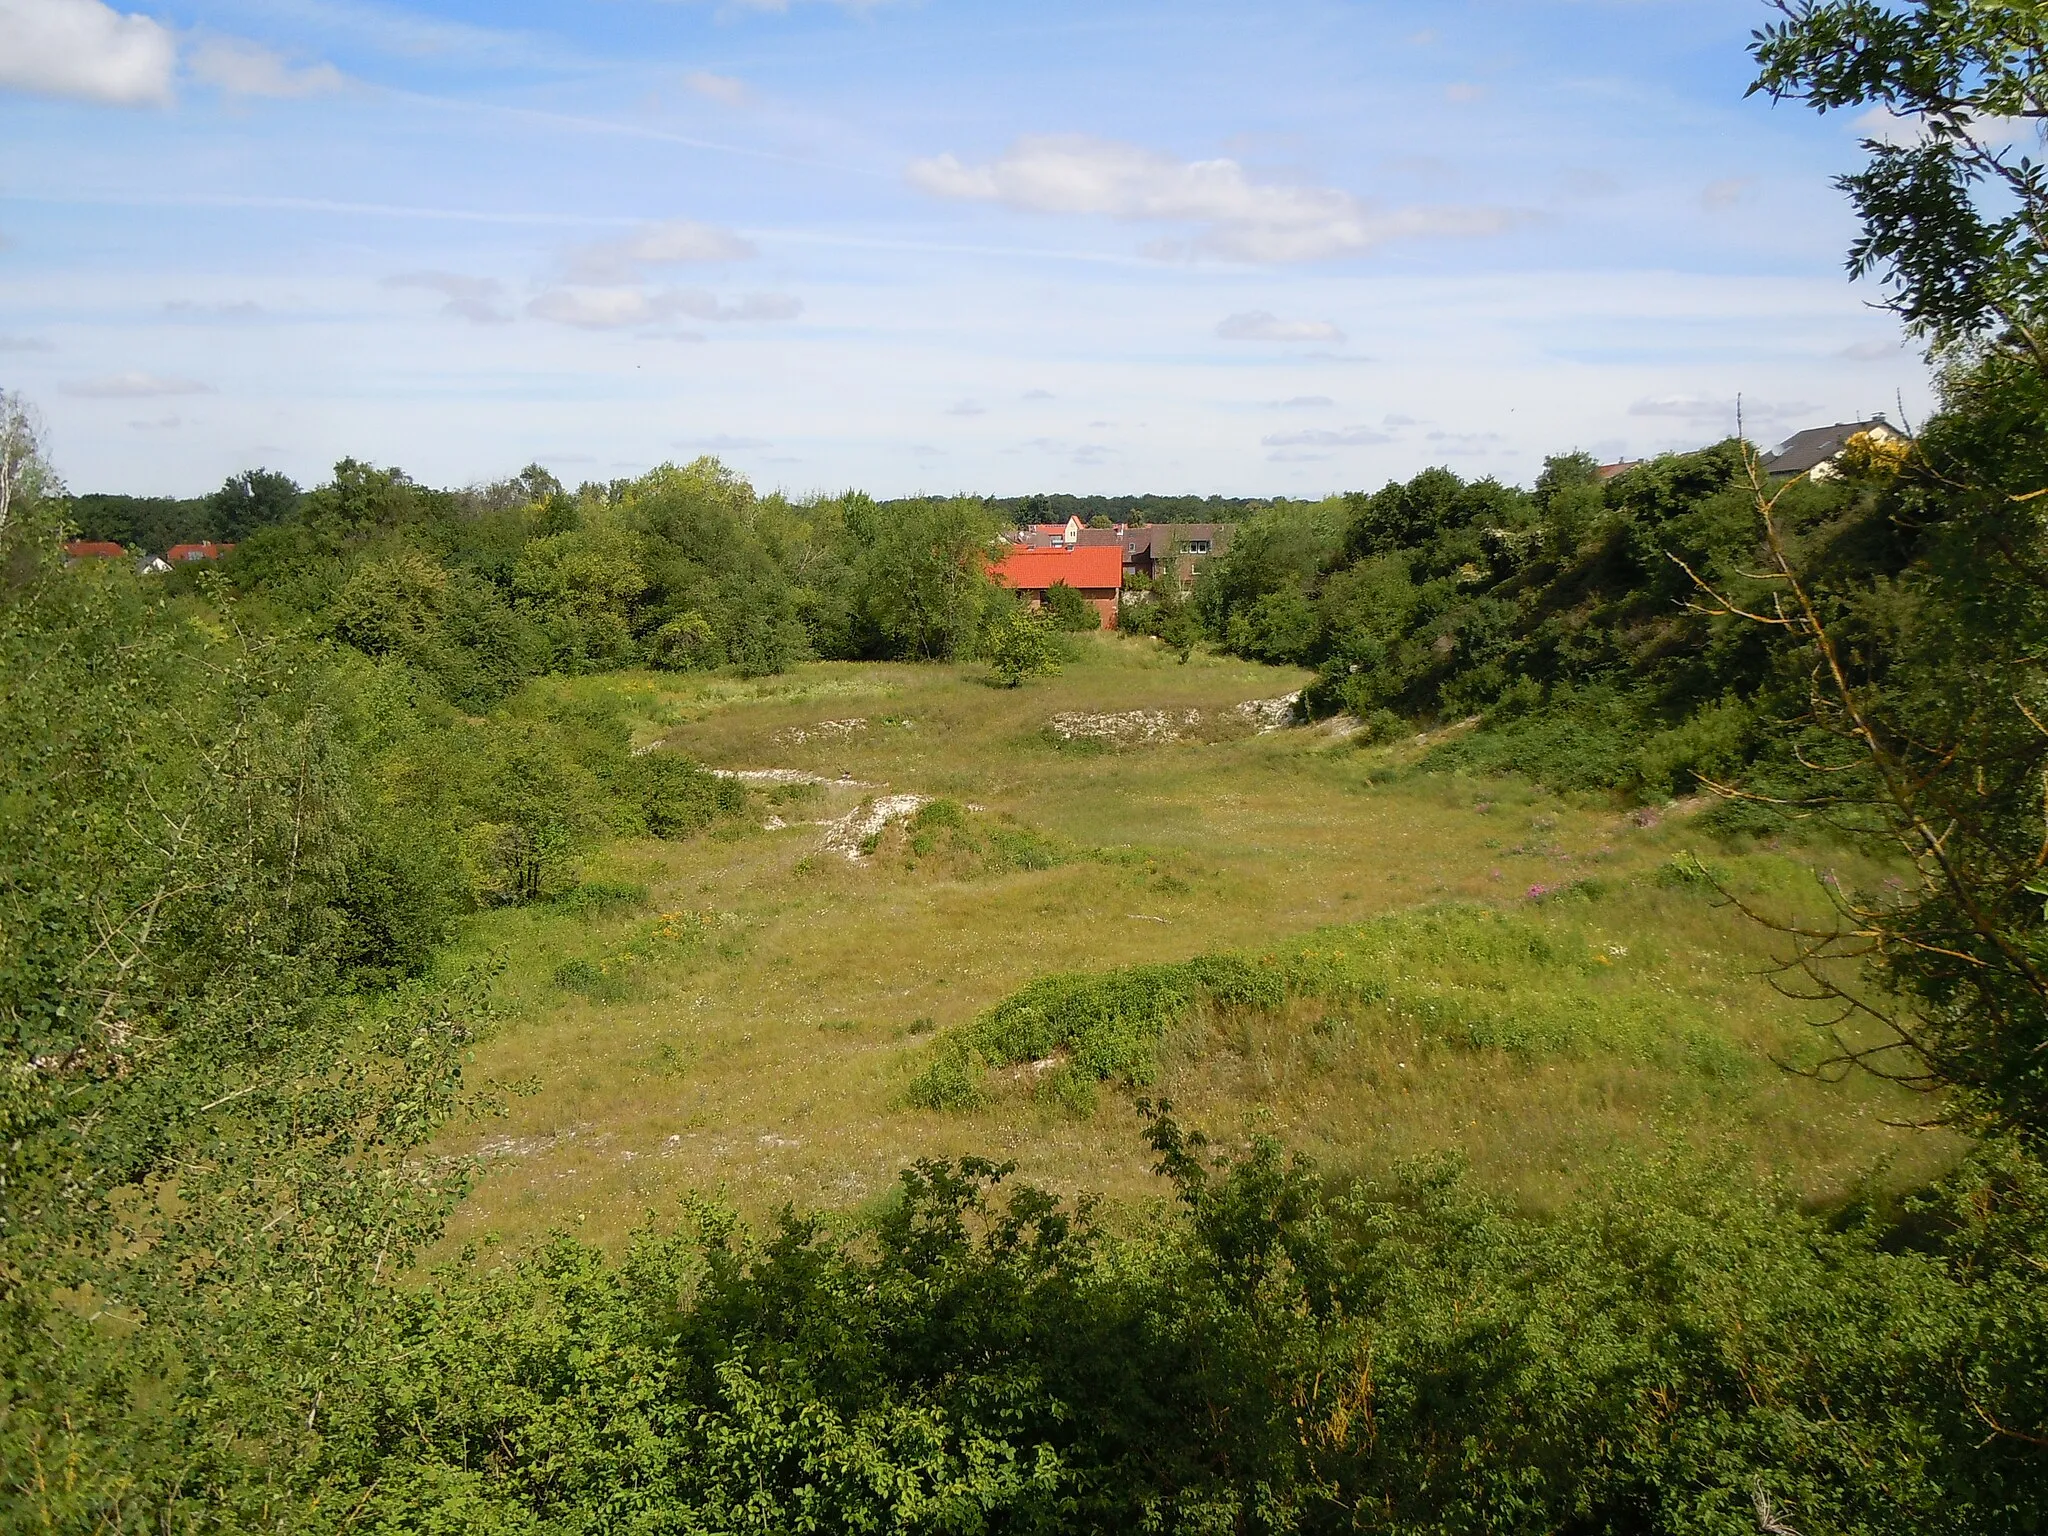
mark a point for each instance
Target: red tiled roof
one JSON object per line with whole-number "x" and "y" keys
{"x": 94, "y": 549}
{"x": 206, "y": 549}
{"x": 1033, "y": 570}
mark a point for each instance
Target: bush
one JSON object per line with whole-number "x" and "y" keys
{"x": 677, "y": 797}
{"x": 1022, "y": 647}
{"x": 599, "y": 898}
{"x": 1068, "y": 610}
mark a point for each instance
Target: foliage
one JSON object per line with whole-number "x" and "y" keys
{"x": 1277, "y": 1354}
{"x": 1069, "y": 610}
{"x": 1020, "y": 646}
{"x": 1921, "y": 699}
{"x": 1448, "y": 972}
{"x": 683, "y": 569}
{"x": 217, "y": 1082}
{"x": 256, "y": 498}
{"x": 1562, "y": 616}
{"x": 1952, "y": 209}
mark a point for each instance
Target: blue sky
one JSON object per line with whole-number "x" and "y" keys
{"x": 931, "y": 245}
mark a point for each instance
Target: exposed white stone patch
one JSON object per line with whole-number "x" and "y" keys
{"x": 850, "y": 833}
{"x": 1130, "y": 727}
{"x": 1270, "y": 714}
{"x": 824, "y": 730}
{"x": 786, "y": 776}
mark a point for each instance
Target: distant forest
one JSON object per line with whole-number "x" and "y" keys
{"x": 259, "y": 498}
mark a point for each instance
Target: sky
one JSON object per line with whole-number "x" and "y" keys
{"x": 918, "y": 246}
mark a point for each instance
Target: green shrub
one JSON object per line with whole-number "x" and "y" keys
{"x": 677, "y": 797}
{"x": 1022, "y": 647}
{"x": 599, "y": 898}
{"x": 596, "y": 980}
{"x": 1468, "y": 977}
{"x": 1068, "y": 610}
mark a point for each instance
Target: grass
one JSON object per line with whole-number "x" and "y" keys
{"x": 1280, "y": 930}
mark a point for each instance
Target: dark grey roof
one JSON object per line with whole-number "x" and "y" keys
{"x": 1816, "y": 445}
{"x": 1164, "y": 538}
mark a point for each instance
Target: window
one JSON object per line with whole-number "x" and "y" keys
{"x": 1198, "y": 546}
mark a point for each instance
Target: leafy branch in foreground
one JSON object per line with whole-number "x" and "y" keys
{"x": 1954, "y": 212}
{"x": 1922, "y": 728}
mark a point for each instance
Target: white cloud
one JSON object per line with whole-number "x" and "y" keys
{"x": 1346, "y": 437}
{"x": 657, "y": 245}
{"x": 468, "y": 298}
{"x": 1241, "y": 219}
{"x": 1464, "y": 92}
{"x": 243, "y": 68}
{"x": 719, "y": 88}
{"x": 1726, "y": 192}
{"x": 754, "y": 306}
{"x": 1037, "y": 394}
{"x": 1717, "y": 411}
{"x": 1882, "y": 124}
{"x": 1467, "y": 444}
{"x": 25, "y": 344}
{"x": 1263, "y": 325}
{"x": 238, "y": 309}
{"x": 136, "y": 386}
{"x": 86, "y": 50}
{"x": 599, "y": 309}
{"x": 612, "y": 308}
{"x": 724, "y": 443}
{"x": 966, "y": 408}
{"x": 1871, "y": 351}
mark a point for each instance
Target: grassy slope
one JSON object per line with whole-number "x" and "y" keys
{"x": 759, "y": 1037}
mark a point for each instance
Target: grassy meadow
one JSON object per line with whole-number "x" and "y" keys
{"x": 1549, "y": 988}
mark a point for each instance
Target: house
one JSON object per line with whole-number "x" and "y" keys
{"x": 205, "y": 549}
{"x": 1096, "y": 572}
{"x": 92, "y": 549}
{"x": 152, "y": 565}
{"x": 1812, "y": 453}
{"x": 1044, "y": 535}
{"x": 1156, "y": 548}
{"x": 1606, "y": 472}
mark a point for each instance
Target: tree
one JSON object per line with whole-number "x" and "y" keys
{"x": 1926, "y": 700}
{"x": 24, "y": 474}
{"x": 1955, "y": 215}
{"x": 256, "y": 498}
{"x": 916, "y": 576}
{"x": 1022, "y": 646}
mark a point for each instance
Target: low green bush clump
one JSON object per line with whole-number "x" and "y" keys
{"x": 601, "y": 981}
{"x": 677, "y": 797}
{"x": 600, "y": 898}
{"x": 971, "y": 843}
{"x": 1468, "y": 977}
